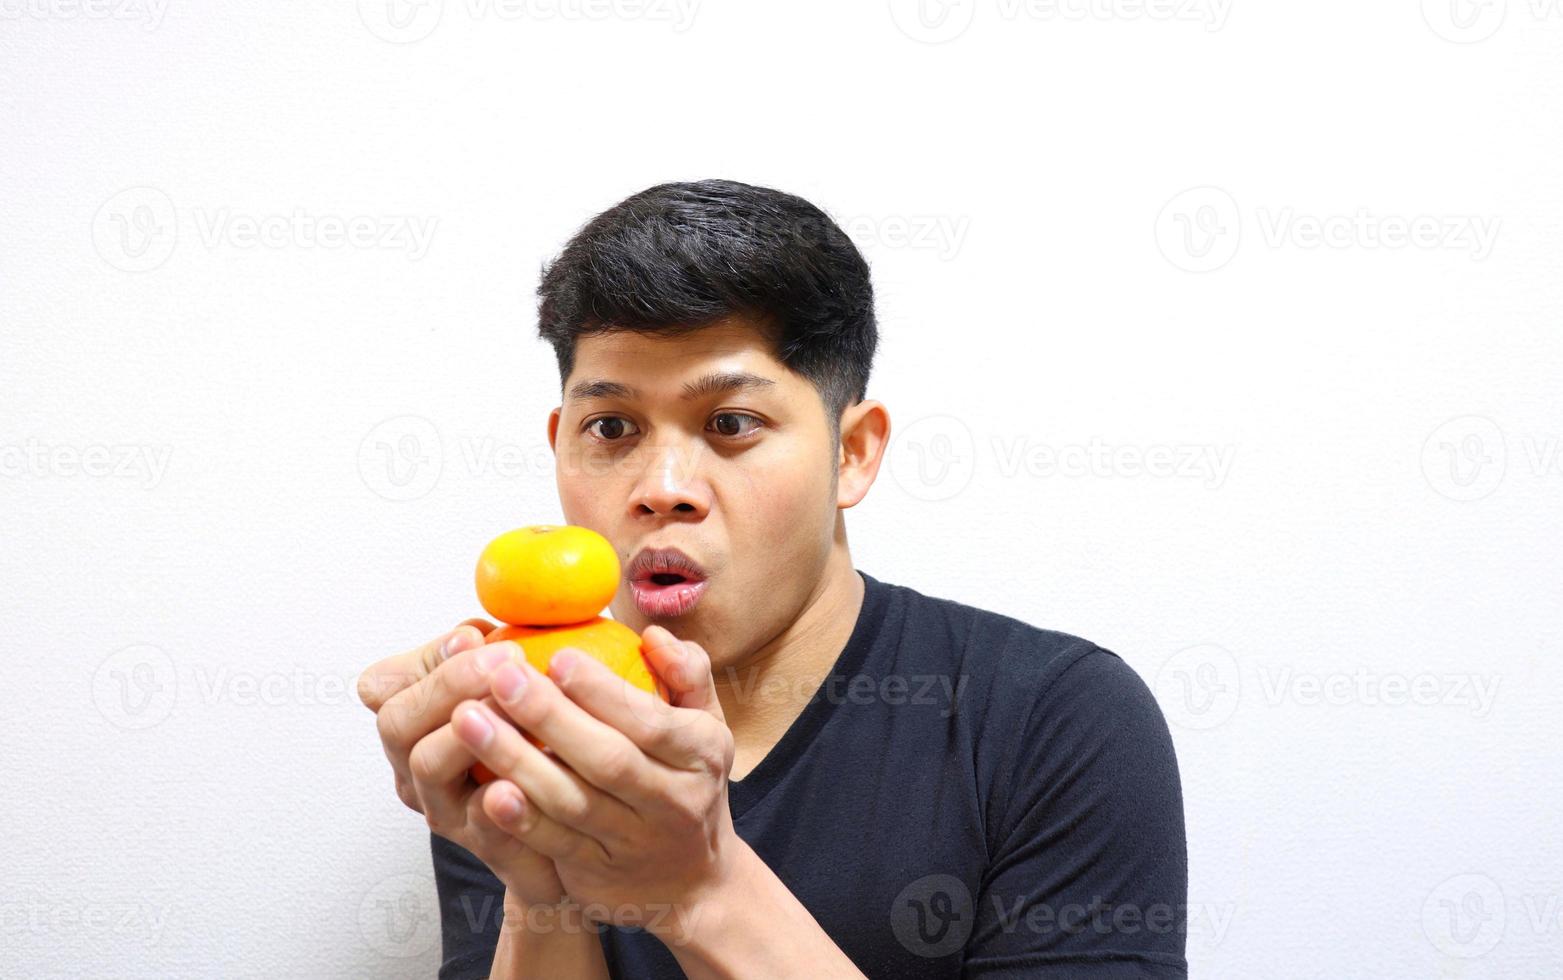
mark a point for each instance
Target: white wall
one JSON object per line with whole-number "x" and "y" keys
{"x": 1086, "y": 231}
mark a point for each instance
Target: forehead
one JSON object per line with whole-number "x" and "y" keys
{"x": 730, "y": 355}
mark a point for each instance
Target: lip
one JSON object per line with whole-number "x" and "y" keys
{"x": 658, "y": 601}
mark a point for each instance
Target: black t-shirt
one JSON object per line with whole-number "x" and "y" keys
{"x": 965, "y": 795}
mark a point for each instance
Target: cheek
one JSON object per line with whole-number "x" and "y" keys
{"x": 581, "y": 495}
{"x": 778, "y": 502}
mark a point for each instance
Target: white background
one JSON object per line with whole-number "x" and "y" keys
{"x": 1166, "y": 364}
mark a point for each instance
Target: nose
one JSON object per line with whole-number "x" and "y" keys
{"x": 672, "y": 484}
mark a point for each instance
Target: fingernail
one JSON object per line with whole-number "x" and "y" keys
{"x": 509, "y": 807}
{"x": 562, "y": 665}
{"x": 492, "y": 656}
{"x": 455, "y": 643}
{"x": 509, "y": 683}
{"x": 474, "y": 728}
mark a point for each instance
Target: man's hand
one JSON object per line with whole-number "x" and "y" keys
{"x": 637, "y": 820}
{"x": 412, "y": 695}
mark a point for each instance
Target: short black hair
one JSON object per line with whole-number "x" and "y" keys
{"x": 677, "y": 257}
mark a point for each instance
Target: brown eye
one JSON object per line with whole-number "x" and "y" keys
{"x": 727, "y": 425}
{"x": 614, "y": 427}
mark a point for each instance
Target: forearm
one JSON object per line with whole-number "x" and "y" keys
{"x": 547, "y": 941}
{"x": 755, "y": 928}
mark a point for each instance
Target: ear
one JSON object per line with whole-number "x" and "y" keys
{"x": 553, "y": 429}
{"x": 865, "y": 432}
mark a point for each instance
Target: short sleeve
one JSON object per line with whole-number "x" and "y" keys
{"x": 1088, "y": 870}
{"x": 472, "y": 908}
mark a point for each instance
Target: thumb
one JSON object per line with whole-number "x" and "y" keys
{"x": 685, "y": 667}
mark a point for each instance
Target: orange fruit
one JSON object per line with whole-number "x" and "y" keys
{"x": 607, "y": 640}
{"x": 547, "y": 575}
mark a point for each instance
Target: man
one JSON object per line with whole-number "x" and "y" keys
{"x": 853, "y": 778}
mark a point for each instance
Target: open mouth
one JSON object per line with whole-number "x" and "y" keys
{"x": 666, "y": 583}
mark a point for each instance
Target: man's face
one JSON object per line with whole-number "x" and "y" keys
{"x": 656, "y": 447}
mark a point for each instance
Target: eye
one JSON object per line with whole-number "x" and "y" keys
{"x": 616, "y": 425}
{"x": 724, "y": 422}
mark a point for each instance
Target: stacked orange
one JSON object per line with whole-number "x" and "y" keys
{"x": 549, "y": 584}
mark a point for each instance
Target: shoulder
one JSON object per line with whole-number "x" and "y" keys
{"x": 1042, "y": 705}
{"x": 1010, "y": 663}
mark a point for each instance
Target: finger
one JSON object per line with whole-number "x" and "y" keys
{"x": 438, "y": 766}
{"x": 686, "y": 667}
{"x": 556, "y": 791}
{"x": 384, "y": 679}
{"x": 505, "y": 806}
{"x": 601, "y": 754}
{"x": 670, "y": 735}
{"x": 418, "y": 710}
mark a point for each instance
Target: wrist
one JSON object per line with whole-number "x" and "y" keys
{"x": 538, "y": 940}
{"x": 708, "y": 919}
{"x": 565, "y": 917}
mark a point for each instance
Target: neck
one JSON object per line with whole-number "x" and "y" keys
{"x": 761, "y": 696}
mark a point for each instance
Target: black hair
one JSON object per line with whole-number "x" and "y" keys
{"x": 680, "y": 256}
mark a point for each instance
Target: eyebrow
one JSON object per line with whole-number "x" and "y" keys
{"x": 710, "y": 384}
